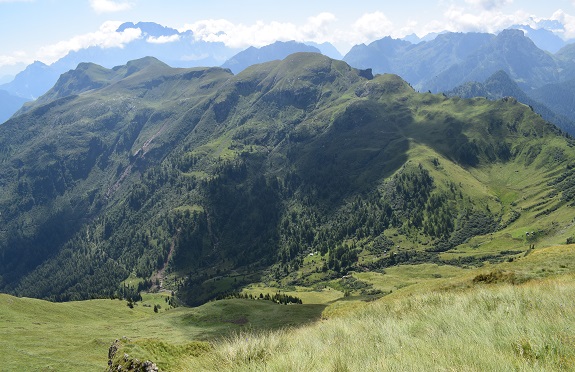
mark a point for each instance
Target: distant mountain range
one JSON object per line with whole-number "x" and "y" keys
{"x": 34, "y": 81}
{"x": 438, "y": 63}
{"x": 177, "y": 49}
{"x": 452, "y": 59}
{"x": 510, "y": 51}
{"x": 417, "y": 63}
{"x": 543, "y": 38}
{"x": 456, "y": 63}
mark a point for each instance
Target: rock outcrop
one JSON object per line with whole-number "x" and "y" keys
{"x": 127, "y": 363}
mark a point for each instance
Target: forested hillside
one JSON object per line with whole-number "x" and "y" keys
{"x": 220, "y": 180}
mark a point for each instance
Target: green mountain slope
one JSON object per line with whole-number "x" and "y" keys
{"x": 210, "y": 181}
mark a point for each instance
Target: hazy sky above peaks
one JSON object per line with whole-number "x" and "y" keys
{"x": 46, "y": 30}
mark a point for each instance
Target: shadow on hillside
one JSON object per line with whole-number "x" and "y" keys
{"x": 363, "y": 146}
{"x": 226, "y": 318}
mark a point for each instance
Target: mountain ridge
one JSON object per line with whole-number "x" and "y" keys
{"x": 204, "y": 174}
{"x": 500, "y": 85}
{"x": 276, "y": 51}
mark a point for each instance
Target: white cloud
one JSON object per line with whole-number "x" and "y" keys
{"x": 261, "y": 33}
{"x": 371, "y": 26}
{"x": 317, "y": 28}
{"x": 568, "y": 22}
{"x": 105, "y": 37}
{"x": 163, "y": 39}
{"x": 489, "y": 4}
{"x": 107, "y": 6}
{"x": 240, "y": 35}
{"x": 15, "y": 58}
{"x": 458, "y": 19}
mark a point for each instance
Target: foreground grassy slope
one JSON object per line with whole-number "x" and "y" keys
{"x": 525, "y": 327}
{"x": 39, "y": 335}
{"x": 519, "y": 312}
{"x": 521, "y": 318}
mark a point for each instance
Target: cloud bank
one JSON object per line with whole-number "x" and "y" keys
{"x": 485, "y": 19}
{"x": 261, "y": 33}
{"x": 105, "y": 37}
{"x": 163, "y": 39}
{"x": 371, "y": 26}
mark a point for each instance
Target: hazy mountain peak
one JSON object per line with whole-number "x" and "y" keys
{"x": 542, "y": 37}
{"x": 511, "y": 34}
{"x": 327, "y": 49}
{"x": 37, "y": 64}
{"x": 500, "y": 85}
{"x": 515, "y": 39}
{"x": 34, "y": 81}
{"x": 500, "y": 76}
{"x": 276, "y": 51}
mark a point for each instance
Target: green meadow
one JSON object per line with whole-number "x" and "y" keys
{"x": 431, "y": 317}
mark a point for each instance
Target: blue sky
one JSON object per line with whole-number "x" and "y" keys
{"x": 46, "y": 30}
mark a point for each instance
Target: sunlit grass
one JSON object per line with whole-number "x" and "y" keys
{"x": 495, "y": 328}
{"x": 75, "y": 336}
{"x": 436, "y": 318}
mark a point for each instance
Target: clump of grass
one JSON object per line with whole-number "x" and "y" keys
{"x": 166, "y": 354}
{"x": 500, "y": 276}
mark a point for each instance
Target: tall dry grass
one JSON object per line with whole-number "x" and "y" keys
{"x": 528, "y": 327}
